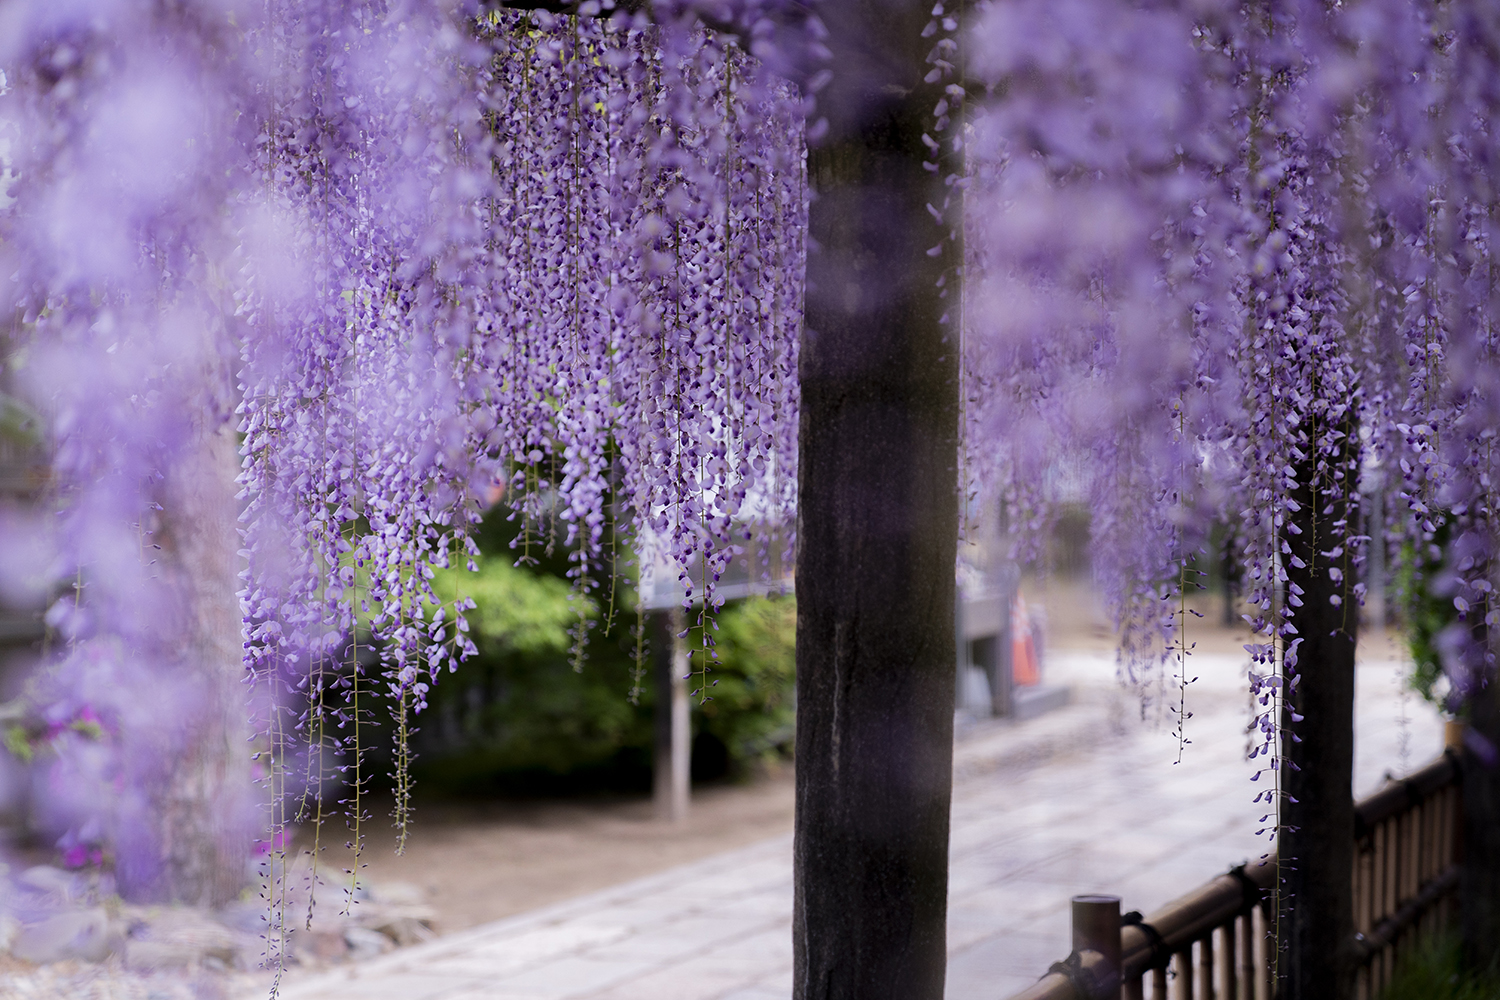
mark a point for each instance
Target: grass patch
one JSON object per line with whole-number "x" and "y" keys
{"x": 1435, "y": 972}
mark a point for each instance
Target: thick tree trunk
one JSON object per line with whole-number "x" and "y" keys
{"x": 188, "y": 840}
{"x": 1479, "y": 883}
{"x": 877, "y": 530}
{"x": 1316, "y": 850}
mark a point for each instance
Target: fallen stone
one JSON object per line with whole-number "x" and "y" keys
{"x": 182, "y": 937}
{"x": 151, "y": 956}
{"x": 402, "y": 929}
{"x": 83, "y": 934}
{"x": 366, "y": 943}
{"x": 324, "y": 945}
{"x": 50, "y": 880}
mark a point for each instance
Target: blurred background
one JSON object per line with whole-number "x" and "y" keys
{"x": 535, "y": 768}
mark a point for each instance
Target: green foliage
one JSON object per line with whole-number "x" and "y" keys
{"x": 19, "y": 426}
{"x": 18, "y": 742}
{"x": 518, "y": 716}
{"x": 518, "y": 612}
{"x": 523, "y": 716}
{"x": 1435, "y": 972}
{"x": 1426, "y": 612}
{"x": 528, "y": 715}
{"x": 752, "y": 703}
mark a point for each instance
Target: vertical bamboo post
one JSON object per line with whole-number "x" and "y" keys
{"x": 1434, "y": 811}
{"x": 1206, "y": 965}
{"x": 1442, "y": 839}
{"x": 1247, "y": 956}
{"x": 1452, "y": 811}
{"x": 1268, "y": 950}
{"x": 1231, "y": 970}
{"x": 1455, "y": 818}
{"x": 1387, "y": 871}
{"x": 1429, "y": 839}
{"x": 1361, "y": 888}
{"x": 1096, "y": 927}
{"x": 1413, "y": 854}
{"x": 1402, "y": 860}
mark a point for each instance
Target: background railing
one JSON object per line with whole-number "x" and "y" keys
{"x": 1406, "y": 852}
{"x": 1215, "y": 943}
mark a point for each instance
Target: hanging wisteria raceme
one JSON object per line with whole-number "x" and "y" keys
{"x": 360, "y": 442}
{"x": 653, "y": 265}
{"x": 621, "y": 287}
{"x": 1100, "y": 218}
{"x": 122, "y": 135}
{"x": 1219, "y": 277}
{"x": 1440, "y": 281}
{"x": 412, "y": 255}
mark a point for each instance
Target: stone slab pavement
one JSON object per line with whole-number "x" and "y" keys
{"x": 1090, "y": 798}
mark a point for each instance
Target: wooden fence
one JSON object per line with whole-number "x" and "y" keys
{"x": 1215, "y": 943}
{"x": 1407, "y": 838}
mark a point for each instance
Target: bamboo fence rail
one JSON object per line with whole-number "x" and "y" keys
{"x": 1215, "y": 943}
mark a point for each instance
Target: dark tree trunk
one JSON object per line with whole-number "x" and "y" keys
{"x": 1316, "y": 850}
{"x": 1479, "y": 883}
{"x": 877, "y": 531}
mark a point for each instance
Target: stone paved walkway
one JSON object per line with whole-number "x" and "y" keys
{"x": 1087, "y": 799}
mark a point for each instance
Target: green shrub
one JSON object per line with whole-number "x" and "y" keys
{"x": 1435, "y": 972}
{"x": 1426, "y": 613}
{"x": 752, "y": 703}
{"x": 519, "y": 718}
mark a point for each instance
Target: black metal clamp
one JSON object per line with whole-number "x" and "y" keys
{"x": 1087, "y": 984}
{"x": 1160, "y": 955}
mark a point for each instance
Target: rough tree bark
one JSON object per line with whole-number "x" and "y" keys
{"x": 191, "y": 832}
{"x": 877, "y": 530}
{"x": 1479, "y": 881}
{"x": 1316, "y": 849}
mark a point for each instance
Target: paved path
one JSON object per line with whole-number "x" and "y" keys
{"x": 1087, "y": 799}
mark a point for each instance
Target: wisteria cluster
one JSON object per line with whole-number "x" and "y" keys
{"x": 1229, "y": 264}
{"x": 416, "y": 257}
{"x": 590, "y": 298}
{"x": 1222, "y": 264}
{"x": 121, "y": 137}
